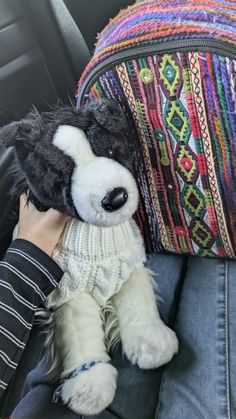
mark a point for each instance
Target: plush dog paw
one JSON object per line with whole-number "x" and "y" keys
{"x": 150, "y": 346}
{"x": 91, "y": 391}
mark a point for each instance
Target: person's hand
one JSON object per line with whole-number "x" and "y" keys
{"x": 40, "y": 228}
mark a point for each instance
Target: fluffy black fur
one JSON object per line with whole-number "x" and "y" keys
{"x": 42, "y": 170}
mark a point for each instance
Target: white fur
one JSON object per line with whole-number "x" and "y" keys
{"x": 145, "y": 338}
{"x": 92, "y": 391}
{"x": 79, "y": 337}
{"x": 79, "y": 332}
{"x": 73, "y": 142}
{"x": 90, "y": 185}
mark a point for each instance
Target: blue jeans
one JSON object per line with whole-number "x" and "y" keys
{"x": 198, "y": 300}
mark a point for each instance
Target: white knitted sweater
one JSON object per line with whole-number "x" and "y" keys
{"x": 96, "y": 260}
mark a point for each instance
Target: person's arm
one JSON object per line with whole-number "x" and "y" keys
{"x": 27, "y": 276}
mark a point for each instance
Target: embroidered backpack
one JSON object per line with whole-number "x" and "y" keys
{"x": 171, "y": 66}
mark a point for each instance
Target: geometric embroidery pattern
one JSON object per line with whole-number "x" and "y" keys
{"x": 186, "y": 164}
{"x": 201, "y": 234}
{"x": 177, "y": 120}
{"x": 170, "y": 75}
{"x": 193, "y": 201}
{"x": 181, "y": 193}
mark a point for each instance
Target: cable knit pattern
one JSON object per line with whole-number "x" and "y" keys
{"x": 96, "y": 260}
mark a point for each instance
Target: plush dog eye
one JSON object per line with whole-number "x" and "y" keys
{"x": 110, "y": 153}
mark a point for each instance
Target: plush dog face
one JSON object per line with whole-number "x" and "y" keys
{"x": 59, "y": 168}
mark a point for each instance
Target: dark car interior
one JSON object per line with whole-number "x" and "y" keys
{"x": 45, "y": 46}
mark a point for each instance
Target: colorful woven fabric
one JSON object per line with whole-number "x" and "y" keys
{"x": 158, "y": 21}
{"x": 181, "y": 107}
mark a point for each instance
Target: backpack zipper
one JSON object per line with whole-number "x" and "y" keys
{"x": 181, "y": 45}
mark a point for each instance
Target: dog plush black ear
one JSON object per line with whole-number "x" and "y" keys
{"x": 20, "y": 134}
{"x": 107, "y": 114}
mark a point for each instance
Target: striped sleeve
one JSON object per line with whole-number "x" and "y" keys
{"x": 27, "y": 277}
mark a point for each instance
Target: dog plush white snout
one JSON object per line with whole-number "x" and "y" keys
{"x": 103, "y": 191}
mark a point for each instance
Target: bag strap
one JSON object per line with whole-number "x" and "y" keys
{"x": 77, "y": 48}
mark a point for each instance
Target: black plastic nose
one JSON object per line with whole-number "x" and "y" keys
{"x": 115, "y": 199}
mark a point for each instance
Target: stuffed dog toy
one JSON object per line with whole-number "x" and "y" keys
{"x": 61, "y": 165}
